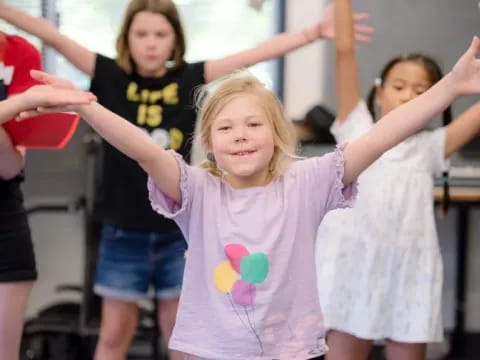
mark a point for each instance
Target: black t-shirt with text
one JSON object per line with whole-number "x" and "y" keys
{"x": 163, "y": 107}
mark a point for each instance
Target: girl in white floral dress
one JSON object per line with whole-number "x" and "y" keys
{"x": 379, "y": 264}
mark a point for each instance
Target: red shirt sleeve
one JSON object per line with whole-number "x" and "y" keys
{"x": 23, "y": 57}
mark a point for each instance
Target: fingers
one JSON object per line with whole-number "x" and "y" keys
{"x": 40, "y": 76}
{"x": 361, "y": 16}
{"x": 50, "y": 79}
{"x": 363, "y": 38}
{"x": 26, "y": 114}
{"x": 365, "y": 29}
{"x": 74, "y": 97}
{"x": 58, "y": 108}
{"x": 474, "y": 46}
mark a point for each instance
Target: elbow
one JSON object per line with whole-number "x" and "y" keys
{"x": 10, "y": 173}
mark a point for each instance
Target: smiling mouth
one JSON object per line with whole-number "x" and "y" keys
{"x": 243, "y": 153}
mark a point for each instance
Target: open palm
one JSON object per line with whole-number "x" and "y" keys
{"x": 466, "y": 72}
{"x": 326, "y": 27}
{"x": 57, "y": 94}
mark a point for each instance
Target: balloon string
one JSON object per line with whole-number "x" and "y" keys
{"x": 254, "y": 331}
{"x": 236, "y": 312}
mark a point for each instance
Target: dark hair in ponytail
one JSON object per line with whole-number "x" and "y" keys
{"x": 434, "y": 73}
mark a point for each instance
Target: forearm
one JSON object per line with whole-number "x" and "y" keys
{"x": 121, "y": 134}
{"x": 11, "y": 159}
{"x": 136, "y": 144}
{"x": 344, "y": 27}
{"x": 277, "y": 46}
{"x": 347, "y": 82}
{"x": 11, "y": 107}
{"x": 462, "y": 130}
{"x": 36, "y": 26}
{"x": 283, "y": 43}
{"x": 411, "y": 117}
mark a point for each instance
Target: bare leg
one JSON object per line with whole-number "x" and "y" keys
{"x": 119, "y": 322}
{"x": 343, "y": 346}
{"x": 13, "y": 303}
{"x": 406, "y": 351}
{"x": 167, "y": 313}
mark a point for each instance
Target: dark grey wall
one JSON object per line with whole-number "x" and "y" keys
{"x": 440, "y": 28}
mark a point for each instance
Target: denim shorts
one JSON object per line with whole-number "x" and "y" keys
{"x": 131, "y": 262}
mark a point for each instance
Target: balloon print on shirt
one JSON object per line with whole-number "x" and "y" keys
{"x": 237, "y": 277}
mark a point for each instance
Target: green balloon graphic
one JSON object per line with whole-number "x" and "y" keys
{"x": 254, "y": 268}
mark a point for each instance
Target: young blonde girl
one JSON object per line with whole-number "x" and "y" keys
{"x": 137, "y": 245}
{"x": 379, "y": 264}
{"x": 250, "y": 218}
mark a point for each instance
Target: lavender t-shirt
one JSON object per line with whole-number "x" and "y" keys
{"x": 249, "y": 289}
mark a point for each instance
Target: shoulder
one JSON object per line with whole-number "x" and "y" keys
{"x": 106, "y": 69}
{"x": 103, "y": 62}
{"x": 357, "y": 123}
{"x": 194, "y": 72}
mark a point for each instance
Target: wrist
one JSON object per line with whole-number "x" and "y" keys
{"x": 84, "y": 109}
{"x": 450, "y": 86}
{"x": 308, "y": 34}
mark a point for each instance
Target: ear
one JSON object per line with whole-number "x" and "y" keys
{"x": 208, "y": 146}
{"x": 378, "y": 95}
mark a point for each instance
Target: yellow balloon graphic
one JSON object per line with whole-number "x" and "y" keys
{"x": 224, "y": 277}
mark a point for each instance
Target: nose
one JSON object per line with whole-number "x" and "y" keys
{"x": 151, "y": 41}
{"x": 240, "y": 135}
{"x": 407, "y": 95}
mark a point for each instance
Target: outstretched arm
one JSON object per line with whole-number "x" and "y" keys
{"x": 346, "y": 67}
{"x": 78, "y": 55}
{"x": 12, "y": 159}
{"x": 282, "y": 44}
{"x": 462, "y": 130}
{"x": 127, "y": 138}
{"x": 407, "y": 119}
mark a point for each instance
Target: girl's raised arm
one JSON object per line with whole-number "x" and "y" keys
{"x": 409, "y": 118}
{"x": 78, "y": 55}
{"x": 127, "y": 138}
{"x": 282, "y": 44}
{"x": 346, "y": 67}
{"x": 462, "y": 130}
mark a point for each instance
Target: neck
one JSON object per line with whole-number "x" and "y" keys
{"x": 256, "y": 180}
{"x": 156, "y": 73}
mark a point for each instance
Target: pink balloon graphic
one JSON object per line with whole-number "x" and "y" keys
{"x": 243, "y": 293}
{"x": 235, "y": 253}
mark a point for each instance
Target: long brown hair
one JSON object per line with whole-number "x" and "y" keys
{"x": 163, "y": 7}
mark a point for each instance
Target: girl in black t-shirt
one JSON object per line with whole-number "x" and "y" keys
{"x": 151, "y": 85}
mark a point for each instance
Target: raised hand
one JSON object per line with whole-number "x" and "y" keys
{"x": 49, "y": 79}
{"x": 325, "y": 29}
{"x": 56, "y": 95}
{"x": 465, "y": 75}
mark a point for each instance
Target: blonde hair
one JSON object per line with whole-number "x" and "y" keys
{"x": 212, "y": 98}
{"x": 163, "y": 7}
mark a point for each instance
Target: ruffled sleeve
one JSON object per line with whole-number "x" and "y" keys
{"x": 320, "y": 183}
{"x": 341, "y": 196}
{"x": 163, "y": 204}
